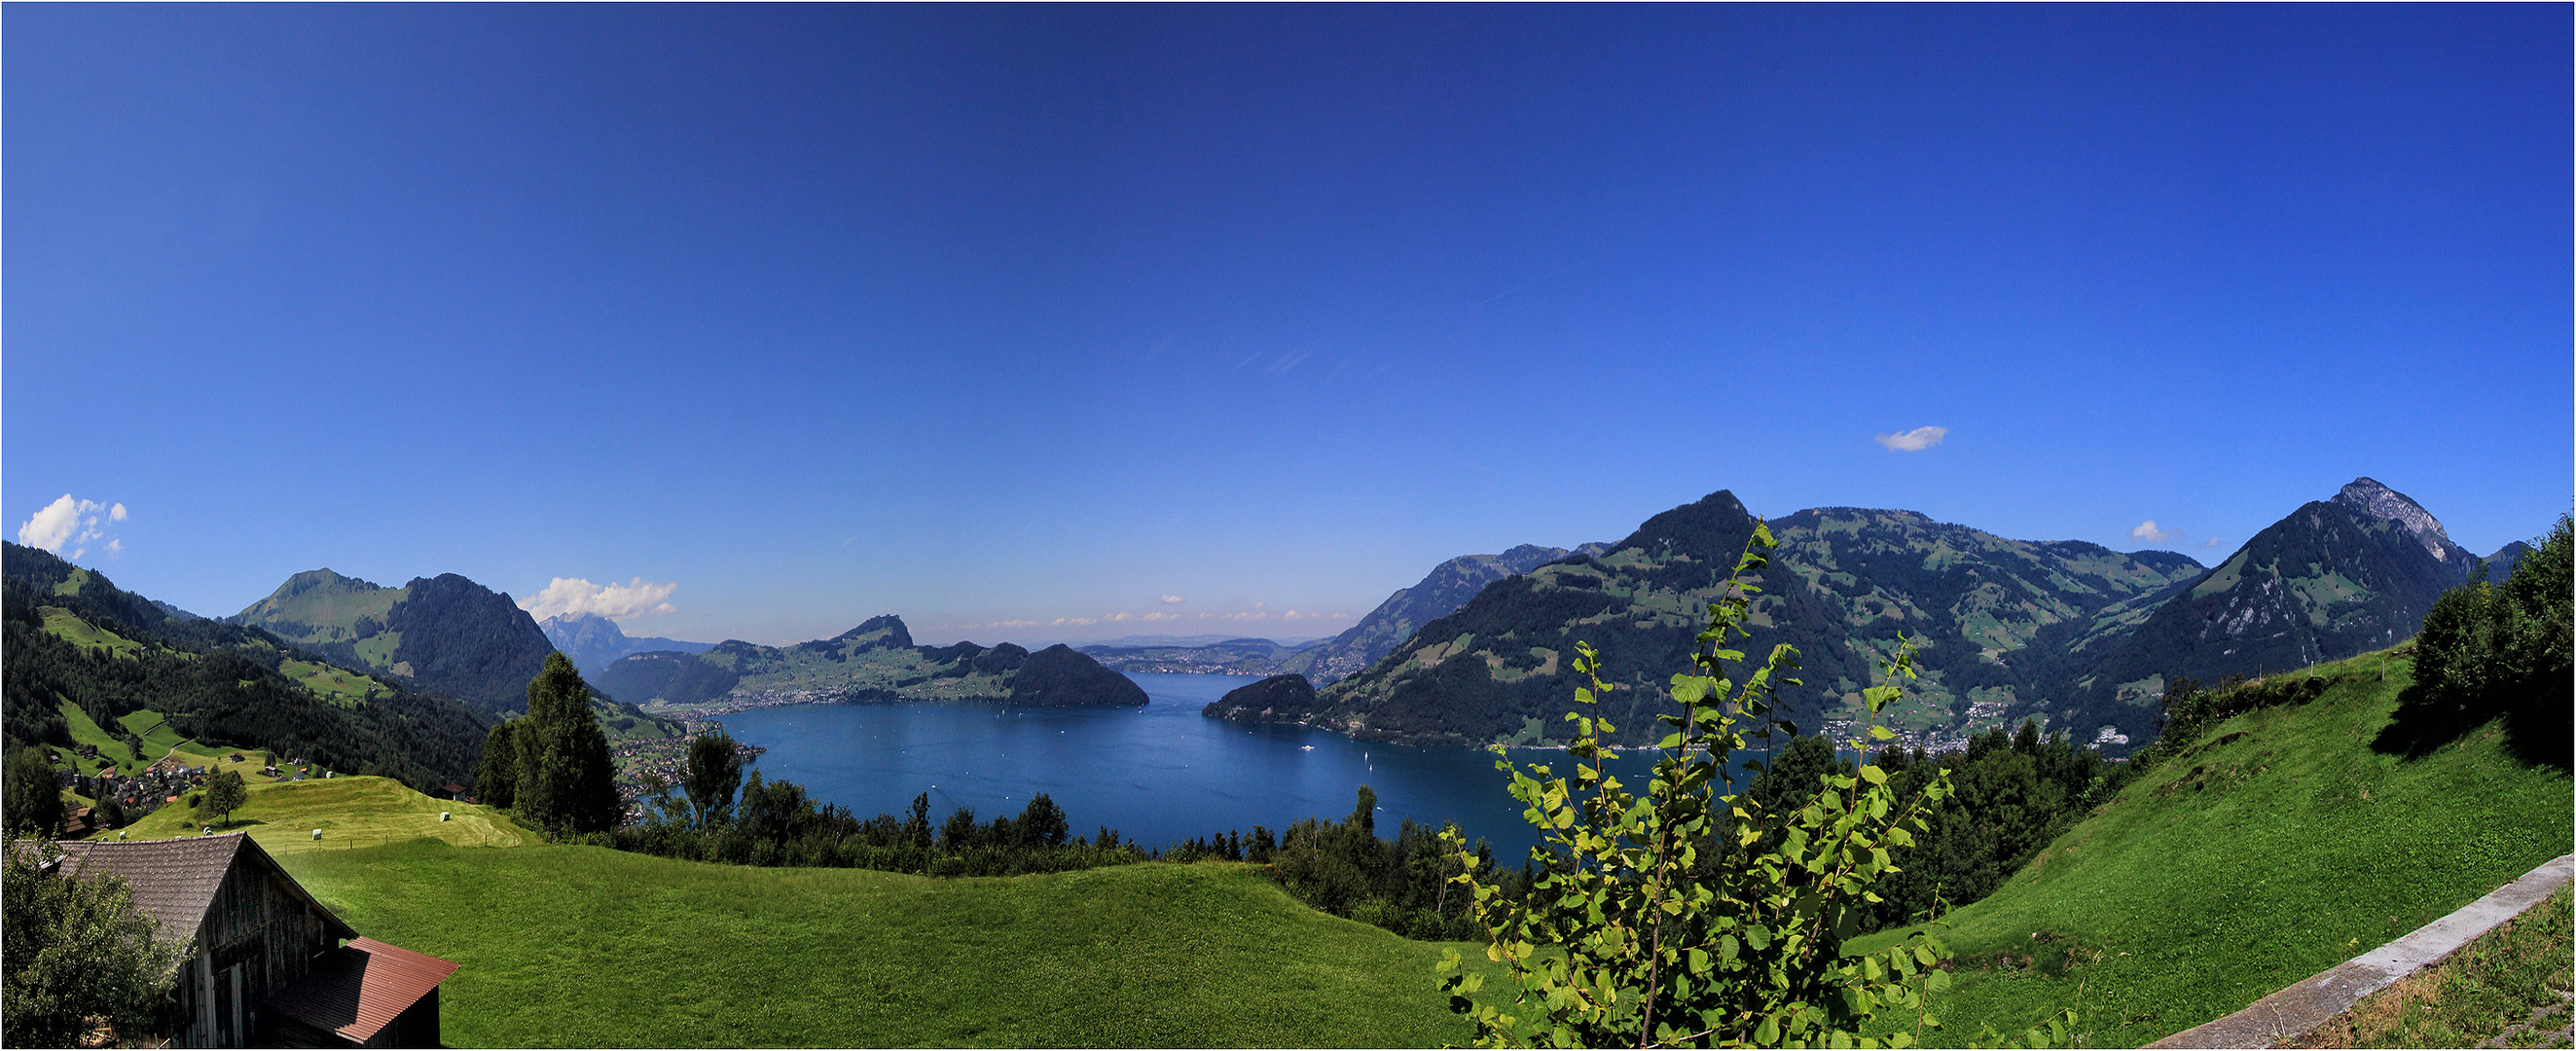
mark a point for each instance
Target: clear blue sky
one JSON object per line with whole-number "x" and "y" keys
{"x": 792, "y": 316}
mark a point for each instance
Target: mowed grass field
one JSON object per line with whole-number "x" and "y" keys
{"x": 2281, "y": 845}
{"x": 338, "y": 686}
{"x": 582, "y": 946}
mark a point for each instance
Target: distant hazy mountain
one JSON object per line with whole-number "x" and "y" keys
{"x": 1226, "y": 657}
{"x": 1448, "y": 586}
{"x": 1182, "y": 641}
{"x": 2335, "y": 578}
{"x": 875, "y": 661}
{"x": 444, "y": 634}
{"x": 593, "y": 641}
{"x": 1989, "y": 616}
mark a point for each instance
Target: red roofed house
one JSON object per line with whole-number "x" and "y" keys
{"x": 268, "y": 967}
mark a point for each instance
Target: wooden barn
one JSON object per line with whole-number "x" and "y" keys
{"x": 269, "y": 968}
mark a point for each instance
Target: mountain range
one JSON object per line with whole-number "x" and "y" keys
{"x": 2073, "y": 633}
{"x": 875, "y": 661}
{"x": 1440, "y": 592}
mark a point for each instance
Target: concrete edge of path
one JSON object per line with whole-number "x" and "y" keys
{"x": 2309, "y": 1004}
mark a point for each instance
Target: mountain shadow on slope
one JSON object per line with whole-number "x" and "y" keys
{"x": 2496, "y": 650}
{"x": 462, "y": 638}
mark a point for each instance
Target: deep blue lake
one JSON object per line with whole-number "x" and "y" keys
{"x": 1158, "y": 774}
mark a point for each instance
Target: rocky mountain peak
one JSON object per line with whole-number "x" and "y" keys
{"x": 2367, "y": 496}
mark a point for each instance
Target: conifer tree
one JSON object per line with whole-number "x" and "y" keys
{"x": 713, "y": 776}
{"x": 567, "y": 784}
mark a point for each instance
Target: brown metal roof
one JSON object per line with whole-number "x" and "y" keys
{"x": 359, "y": 988}
{"x": 175, "y": 880}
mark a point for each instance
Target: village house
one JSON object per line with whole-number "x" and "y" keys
{"x": 268, "y": 967}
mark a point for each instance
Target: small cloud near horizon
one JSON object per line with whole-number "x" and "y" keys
{"x": 1170, "y": 600}
{"x": 2148, "y": 532}
{"x": 2211, "y": 542}
{"x": 74, "y": 522}
{"x": 1913, "y": 441}
{"x": 617, "y": 602}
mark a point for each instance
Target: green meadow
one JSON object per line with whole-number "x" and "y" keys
{"x": 339, "y": 686}
{"x": 582, "y": 946}
{"x": 2279, "y": 845}
{"x": 586, "y": 946}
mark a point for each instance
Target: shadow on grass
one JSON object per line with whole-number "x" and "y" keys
{"x": 2535, "y": 717}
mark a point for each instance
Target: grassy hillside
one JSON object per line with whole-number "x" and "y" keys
{"x": 2277, "y": 846}
{"x": 160, "y": 740}
{"x": 352, "y": 812}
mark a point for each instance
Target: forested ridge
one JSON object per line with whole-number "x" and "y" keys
{"x": 217, "y": 682}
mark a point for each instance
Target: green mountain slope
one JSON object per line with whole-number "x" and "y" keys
{"x": 73, "y": 636}
{"x": 444, "y": 634}
{"x": 2279, "y": 843}
{"x": 1988, "y": 615}
{"x": 875, "y": 661}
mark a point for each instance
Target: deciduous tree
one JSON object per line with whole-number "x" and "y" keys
{"x": 34, "y": 802}
{"x": 1693, "y": 913}
{"x": 225, "y": 793}
{"x": 75, "y": 949}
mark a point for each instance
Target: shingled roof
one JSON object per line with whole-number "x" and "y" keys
{"x": 175, "y": 880}
{"x": 358, "y": 989}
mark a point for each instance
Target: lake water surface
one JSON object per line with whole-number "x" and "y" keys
{"x": 1158, "y": 774}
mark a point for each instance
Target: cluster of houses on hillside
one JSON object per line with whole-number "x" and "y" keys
{"x": 644, "y": 768}
{"x": 143, "y": 791}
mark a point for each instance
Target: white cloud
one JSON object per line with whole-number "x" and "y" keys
{"x": 71, "y": 521}
{"x": 618, "y": 602}
{"x": 2147, "y": 532}
{"x": 1173, "y": 600}
{"x": 1159, "y": 615}
{"x": 2211, "y": 542}
{"x": 1913, "y": 441}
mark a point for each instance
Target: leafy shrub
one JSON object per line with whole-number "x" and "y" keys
{"x": 1695, "y": 915}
